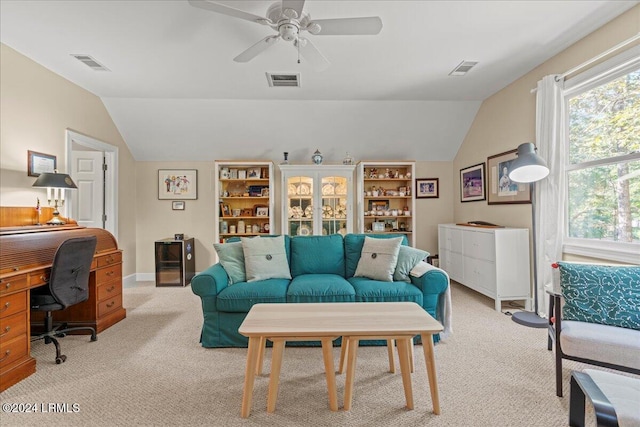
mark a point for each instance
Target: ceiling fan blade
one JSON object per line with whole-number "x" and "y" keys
{"x": 348, "y": 26}
{"x": 256, "y": 49}
{"x": 226, "y": 10}
{"x": 296, "y": 5}
{"x": 312, "y": 54}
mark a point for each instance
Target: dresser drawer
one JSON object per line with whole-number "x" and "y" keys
{"x": 12, "y": 304}
{"x": 110, "y": 259}
{"x": 12, "y": 350}
{"x": 109, "y": 305}
{"x": 12, "y": 326}
{"x": 39, "y": 277}
{"x": 11, "y": 284}
{"x": 109, "y": 290}
{"x": 107, "y": 274}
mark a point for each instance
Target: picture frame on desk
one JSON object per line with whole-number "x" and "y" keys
{"x": 503, "y": 191}
{"x": 38, "y": 163}
{"x": 177, "y": 184}
{"x": 225, "y": 210}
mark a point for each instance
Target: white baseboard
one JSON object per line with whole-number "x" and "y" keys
{"x": 145, "y": 277}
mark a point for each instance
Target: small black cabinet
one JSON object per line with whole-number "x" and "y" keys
{"x": 175, "y": 262}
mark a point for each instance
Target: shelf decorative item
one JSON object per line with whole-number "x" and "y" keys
{"x": 348, "y": 160}
{"x": 317, "y": 157}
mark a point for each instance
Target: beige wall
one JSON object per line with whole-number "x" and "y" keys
{"x": 507, "y": 119}
{"x": 37, "y": 107}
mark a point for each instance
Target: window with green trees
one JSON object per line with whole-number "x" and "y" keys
{"x": 603, "y": 160}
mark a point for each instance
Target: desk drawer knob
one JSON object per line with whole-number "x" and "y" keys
{"x": 111, "y": 304}
{"x": 8, "y": 285}
{"x": 111, "y": 289}
{"x": 6, "y": 306}
{"x": 6, "y": 331}
{"x": 111, "y": 273}
{"x": 6, "y": 354}
{"x": 44, "y": 278}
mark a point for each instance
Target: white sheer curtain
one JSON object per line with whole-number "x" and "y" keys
{"x": 549, "y": 192}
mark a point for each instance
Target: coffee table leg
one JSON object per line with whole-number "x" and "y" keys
{"x": 430, "y": 360}
{"x": 392, "y": 364}
{"x": 249, "y": 376}
{"x": 343, "y": 354}
{"x": 405, "y": 368}
{"x": 263, "y": 343}
{"x": 327, "y": 353}
{"x": 274, "y": 378}
{"x": 352, "y": 349}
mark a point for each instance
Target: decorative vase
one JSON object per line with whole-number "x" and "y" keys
{"x": 317, "y": 157}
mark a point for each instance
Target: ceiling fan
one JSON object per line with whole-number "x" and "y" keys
{"x": 288, "y": 20}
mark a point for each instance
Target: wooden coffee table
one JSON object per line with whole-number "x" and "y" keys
{"x": 325, "y": 322}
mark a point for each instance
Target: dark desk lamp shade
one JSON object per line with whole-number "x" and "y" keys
{"x": 59, "y": 181}
{"x": 529, "y": 167}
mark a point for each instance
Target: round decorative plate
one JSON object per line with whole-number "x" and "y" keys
{"x": 308, "y": 211}
{"x": 291, "y": 190}
{"x": 328, "y": 190}
{"x": 341, "y": 211}
{"x": 327, "y": 212}
{"x": 304, "y": 230}
{"x": 341, "y": 189}
{"x": 295, "y": 212}
{"x": 303, "y": 190}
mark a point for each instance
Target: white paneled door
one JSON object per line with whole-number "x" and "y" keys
{"x": 88, "y": 200}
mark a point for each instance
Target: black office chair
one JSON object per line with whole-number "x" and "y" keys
{"x": 68, "y": 285}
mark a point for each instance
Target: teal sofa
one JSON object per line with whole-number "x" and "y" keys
{"x": 322, "y": 270}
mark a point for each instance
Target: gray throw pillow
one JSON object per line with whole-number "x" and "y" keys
{"x": 408, "y": 258}
{"x": 265, "y": 258}
{"x": 378, "y": 258}
{"x": 231, "y": 258}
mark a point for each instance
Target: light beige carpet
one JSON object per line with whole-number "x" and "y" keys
{"x": 150, "y": 370}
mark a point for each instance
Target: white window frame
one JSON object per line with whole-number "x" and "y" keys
{"x": 611, "y": 69}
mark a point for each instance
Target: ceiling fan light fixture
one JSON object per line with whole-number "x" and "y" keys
{"x": 314, "y": 28}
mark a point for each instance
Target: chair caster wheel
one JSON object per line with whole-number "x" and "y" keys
{"x": 94, "y": 338}
{"x": 61, "y": 335}
{"x": 61, "y": 359}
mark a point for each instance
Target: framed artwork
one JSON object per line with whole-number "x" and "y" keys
{"x": 38, "y": 163}
{"x": 177, "y": 205}
{"x": 177, "y": 184}
{"x": 472, "y": 183}
{"x": 502, "y": 190}
{"x": 427, "y": 188}
{"x": 225, "y": 210}
{"x": 261, "y": 210}
{"x": 254, "y": 173}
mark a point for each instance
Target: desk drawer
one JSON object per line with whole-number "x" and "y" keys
{"x": 12, "y": 304}
{"x": 110, "y": 259}
{"x": 109, "y": 305}
{"x": 39, "y": 277}
{"x": 12, "y": 284}
{"x": 12, "y": 326}
{"x": 13, "y": 350}
{"x": 109, "y": 290}
{"x": 107, "y": 274}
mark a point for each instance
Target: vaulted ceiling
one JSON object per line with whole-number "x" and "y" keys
{"x": 175, "y": 92}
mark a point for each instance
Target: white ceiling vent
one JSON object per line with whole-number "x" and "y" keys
{"x": 463, "y": 68}
{"x": 90, "y": 62}
{"x": 283, "y": 80}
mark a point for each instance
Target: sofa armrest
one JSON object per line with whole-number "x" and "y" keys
{"x": 210, "y": 282}
{"x": 433, "y": 281}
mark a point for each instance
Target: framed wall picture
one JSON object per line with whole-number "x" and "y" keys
{"x": 472, "y": 183}
{"x": 502, "y": 190}
{"x": 177, "y": 184}
{"x": 38, "y": 163}
{"x": 427, "y": 188}
{"x": 177, "y": 205}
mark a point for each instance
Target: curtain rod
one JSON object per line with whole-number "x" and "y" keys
{"x": 595, "y": 58}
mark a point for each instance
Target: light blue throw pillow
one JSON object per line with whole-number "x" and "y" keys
{"x": 265, "y": 258}
{"x": 231, "y": 258}
{"x": 408, "y": 258}
{"x": 604, "y": 294}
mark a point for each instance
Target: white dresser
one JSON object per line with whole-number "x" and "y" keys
{"x": 492, "y": 261}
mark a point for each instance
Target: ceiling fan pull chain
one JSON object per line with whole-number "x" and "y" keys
{"x": 298, "y": 46}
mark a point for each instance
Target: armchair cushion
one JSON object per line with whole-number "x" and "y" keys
{"x": 603, "y": 294}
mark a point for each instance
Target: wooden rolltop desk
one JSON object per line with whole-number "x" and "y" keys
{"x": 26, "y": 255}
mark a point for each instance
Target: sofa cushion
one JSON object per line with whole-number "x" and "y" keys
{"x": 240, "y": 297}
{"x": 604, "y": 294}
{"x": 320, "y": 288}
{"x": 231, "y": 258}
{"x": 408, "y": 258}
{"x": 353, "y": 248}
{"x": 611, "y": 344}
{"x": 368, "y": 290}
{"x": 378, "y": 259}
{"x": 317, "y": 255}
{"x": 265, "y": 258}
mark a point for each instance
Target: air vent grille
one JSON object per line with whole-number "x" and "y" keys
{"x": 283, "y": 80}
{"x": 90, "y": 62}
{"x": 463, "y": 68}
